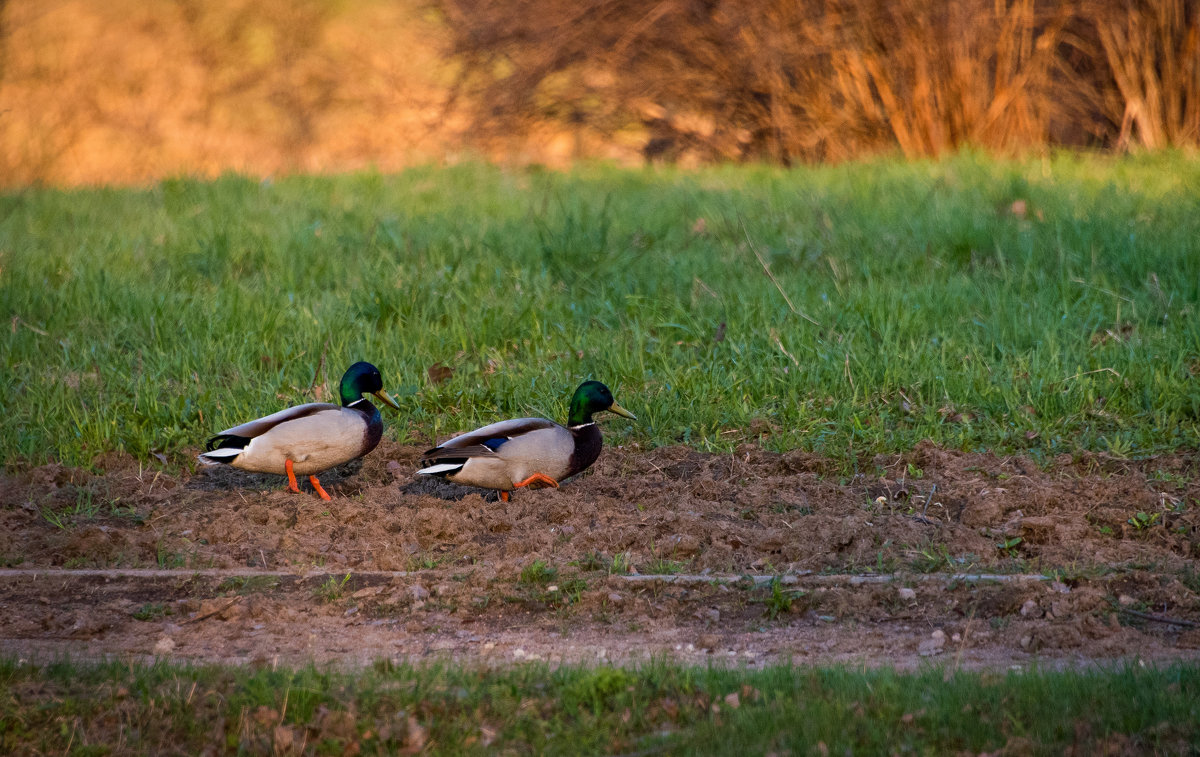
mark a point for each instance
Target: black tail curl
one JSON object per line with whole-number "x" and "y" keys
{"x": 227, "y": 441}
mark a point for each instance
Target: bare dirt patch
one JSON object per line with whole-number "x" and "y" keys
{"x": 399, "y": 567}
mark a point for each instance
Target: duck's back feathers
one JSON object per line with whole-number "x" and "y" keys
{"x": 487, "y": 440}
{"x": 260, "y": 426}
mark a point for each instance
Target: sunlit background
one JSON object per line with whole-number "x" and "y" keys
{"x": 125, "y": 91}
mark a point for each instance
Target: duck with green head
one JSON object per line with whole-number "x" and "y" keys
{"x": 511, "y": 454}
{"x": 308, "y": 439}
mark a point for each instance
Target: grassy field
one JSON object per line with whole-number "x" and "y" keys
{"x": 1047, "y": 306}
{"x": 166, "y": 709}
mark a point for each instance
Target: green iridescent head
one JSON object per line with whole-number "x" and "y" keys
{"x": 593, "y": 397}
{"x": 363, "y": 378}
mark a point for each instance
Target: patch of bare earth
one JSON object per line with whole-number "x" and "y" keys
{"x": 224, "y": 566}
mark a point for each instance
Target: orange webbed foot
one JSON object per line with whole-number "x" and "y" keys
{"x": 317, "y": 485}
{"x": 537, "y": 478}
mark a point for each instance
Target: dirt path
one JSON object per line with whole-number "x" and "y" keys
{"x": 969, "y": 560}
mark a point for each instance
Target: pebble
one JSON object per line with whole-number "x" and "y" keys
{"x": 417, "y": 591}
{"x": 933, "y": 645}
{"x": 164, "y": 645}
{"x": 1030, "y": 609}
{"x": 907, "y": 594}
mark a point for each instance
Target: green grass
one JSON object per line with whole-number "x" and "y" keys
{"x": 170, "y": 709}
{"x": 146, "y": 319}
{"x": 332, "y": 589}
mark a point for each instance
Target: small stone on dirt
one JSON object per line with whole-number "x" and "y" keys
{"x": 708, "y": 641}
{"x": 710, "y": 614}
{"x": 1125, "y": 600}
{"x": 615, "y": 598}
{"x": 164, "y": 645}
{"x": 1030, "y": 609}
{"x": 933, "y": 645}
{"x": 418, "y": 592}
{"x": 907, "y": 594}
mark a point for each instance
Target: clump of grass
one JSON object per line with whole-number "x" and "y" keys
{"x": 152, "y": 611}
{"x": 621, "y": 564}
{"x": 423, "y": 561}
{"x": 244, "y": 585}
{"x": 537, "y": 573}
{"x": 591, "y": 561}
{"x": 778, "y": 601}
{"x": 1143, "y": 520}
{"x": 332, "y": 589}
{"x": 167, "y": 558}
{"x": 661, "y": 566}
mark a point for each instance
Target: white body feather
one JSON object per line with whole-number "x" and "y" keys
{"x": 535, "y": 445}
{"x": 315, "y": 437}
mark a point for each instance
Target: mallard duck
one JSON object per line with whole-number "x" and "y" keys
{"x": 511, "y": 454}
{"x": 307, "y": 439}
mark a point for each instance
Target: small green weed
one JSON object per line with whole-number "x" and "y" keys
{"x": 423, "y": 561}
{"x": 621, "y": 564}
{"x": 537, "y": 573}
{"x": 1142, "y": 520}
{"x": 244, "y": 585}
{"x": 1011, "y": 546}
{"x": 332, "y": 589}
{"x": 661, "y": 566}
{"x": 152, "y": 611}
{"x": 591, "y": 561}
{"x": 568, "y": 592}
{"x": 1175, "y": 480}
{"x": 168, "y": 559}
{"x": 778, "y": 601}
{"x": 933, "y": 559}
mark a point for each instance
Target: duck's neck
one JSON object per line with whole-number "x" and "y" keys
{"x": 587, "y": 445}
{"x": 374, "y": 430}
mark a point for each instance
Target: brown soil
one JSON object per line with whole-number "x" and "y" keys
{"x": 244, "y": 572}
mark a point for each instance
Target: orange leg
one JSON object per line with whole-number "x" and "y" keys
{"x": 503, "y": 496}
{"x": 317, "y": 485}
{"x": 293, "y": 487}
{"x": 537, "y": 478}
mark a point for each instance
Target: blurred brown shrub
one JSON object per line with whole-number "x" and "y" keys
{"x": 830, "y": 79}
{"x": 127, "y": 91}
